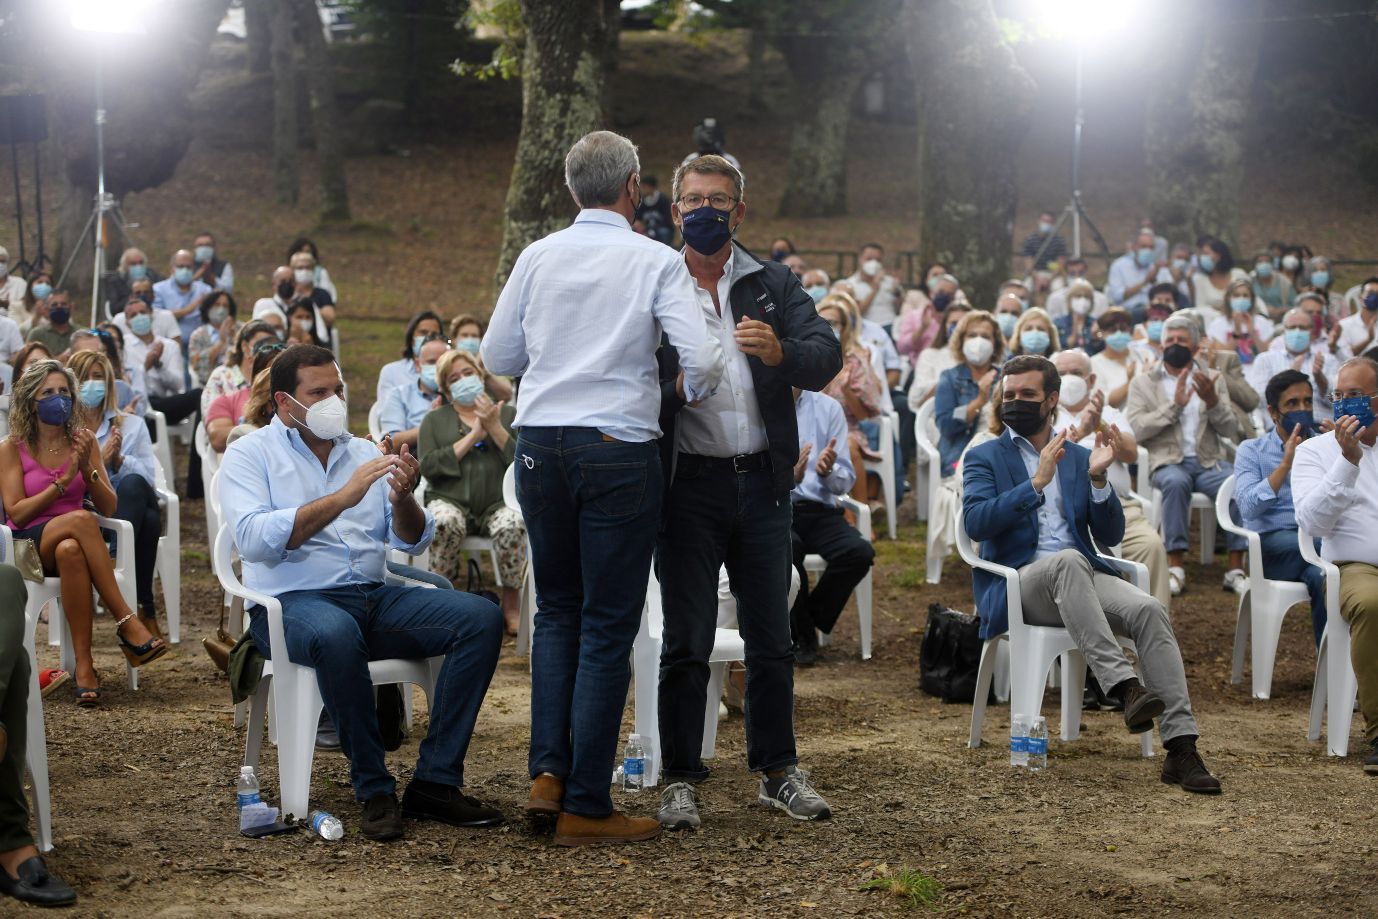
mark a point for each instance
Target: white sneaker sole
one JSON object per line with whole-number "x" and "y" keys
{"x": 780, "y": 806}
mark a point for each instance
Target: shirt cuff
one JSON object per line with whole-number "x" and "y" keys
{"x": 1343, "y": 473}
{"x": 1102, "y": 494}
{"x": 275, "y": 531}
{"x": 416, "y": 548}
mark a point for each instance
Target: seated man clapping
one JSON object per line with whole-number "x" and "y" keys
{"x": 313, "y": 512}
{"x": 1034, "y": 501}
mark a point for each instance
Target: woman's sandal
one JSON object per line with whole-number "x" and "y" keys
{"x": 82, "y": 693}
{"x": 138, "y": 655}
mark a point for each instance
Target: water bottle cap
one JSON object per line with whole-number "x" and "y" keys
{"x": 246, "y": 770}
{"x": 634, "y": 738}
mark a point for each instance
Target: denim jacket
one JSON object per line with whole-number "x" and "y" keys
{"x": 955, "y": 389}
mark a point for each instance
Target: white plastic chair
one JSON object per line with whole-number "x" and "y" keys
{"x": 375, "y": 421}
{"x": 1336, "y": 686}
{"x": 1262, "y": 604}
{"x": 727, "y": 647}
{"x": 210, "y": 462}
{"x": 929, "y": 480}
{"x": 1033, "y": 649}
{"x": 814, "y": 564}
{"x": 295, "y": 694}
{"x": 528, "y": 591}
{"x": 37, "y": 735}
{"x": 1199, "y": 502}
{"x": 884, "y": 468}
{"x": 162, "y": 441}
{"x": 168, "y": 568}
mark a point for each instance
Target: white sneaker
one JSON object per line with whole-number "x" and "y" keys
{"x": 1177, "y": 580}
{"x": 1235, "y": 581}
{"x": 678, "y": 809}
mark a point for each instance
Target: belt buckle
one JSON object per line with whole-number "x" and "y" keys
{"x": 737, "y": 463}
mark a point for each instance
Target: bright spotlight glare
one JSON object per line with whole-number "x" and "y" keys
{"x": 1085, "y": 18}
{"x": 112, "y": 17}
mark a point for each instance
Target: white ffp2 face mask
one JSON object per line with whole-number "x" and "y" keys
{"x": 328, "y": 419}
{"x": 1074, "y": 389}
{"x": 978, "y": 350}
{"x": 871, "y": 267}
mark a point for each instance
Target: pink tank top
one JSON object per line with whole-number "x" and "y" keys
{"x": 37, "y": 478}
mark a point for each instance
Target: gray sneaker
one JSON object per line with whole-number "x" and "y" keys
{"x": 677, "y": 808}
{"x": 793, "y": 794}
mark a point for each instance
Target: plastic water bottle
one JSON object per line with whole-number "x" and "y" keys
{"x": 252, "y": 811}
{"x": 1037, "y": 745}
{"x": 1019, "y": 740}
{"x": 327, "y": 826}
{"x": 248, "y": 787}
{"x": 634, "y": 764}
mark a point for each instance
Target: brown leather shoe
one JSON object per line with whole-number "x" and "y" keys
{"x": 573, "y": 830}
{"x": 547, "y": 794}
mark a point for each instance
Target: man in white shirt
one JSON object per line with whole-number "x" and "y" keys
{"x": 1298, "y": 352}
{"x": 1357, "y": 330}
{"x": 164, "y": 380}
{"x": 1335, "y": 495}
{"x": 164, "y": 323}
{"x": 877, "y": 293}
{"x": 580, "y": 319}
{"x": 1057, "y": 305}
{"x": 11, "y": 339}
{"x": 1132, "y": 274}
{"x": 12, "y": 290}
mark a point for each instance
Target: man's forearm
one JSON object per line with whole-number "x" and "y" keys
{"x": 313, "y": 517}
{"x": 408, "y": 520}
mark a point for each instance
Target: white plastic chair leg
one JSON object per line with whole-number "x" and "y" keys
{"x": 1073, "y": 688}
{"x": 298, "y": 713}
{"x": 1318, "y": 689}
{"x": 863, "y": 610}
{"x": 37, "y": 759}
{"x": 646, "y": 688}
{"x": 717, "y": 673}
{"x": 258, "y": 716}
{"x": 985, "y": 672}
{"x": 1243, "y": 627}
{"x": 1342, "y": 689}
{"x": 1208, "y": 525}
{"x": 1267, "y": 631}
{"x": 1002, "y": 673}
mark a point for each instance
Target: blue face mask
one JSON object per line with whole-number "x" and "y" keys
{"x": 92, "y": 393}
{"x": 205, "y": 253}
{"x": 1006, "y": 322}
{"x": 54, "y": 409}
{"x": 1118, "y": 341}
{"x": 1241, "y": 304}
{"x": 933, "y": 282}
{"x": 428, "y": 377}
{"x": 706, "y": 229}
{"x": 1034, "y": 341}
{"x": 1144, "y": 257}
{"x": 42, "y": 290}
{"x": 942, "y": 301}
{"x": 1360, "y": 407}
{"x": 182, "y": 275}
{"x": 466, "y": 390}
{"x": 1290, "y": 421}
{"x": 1179, "y": 264}
{"x": 1264, "y": 270}
{"x": 1371, "y": 302}
{"x": 138, "y": 272}
{"x": 1320, "y": 279}
{"x": 1297, "y": 340}
{"x": 1154, "y": 328}
{"x": 817, "y": 292}
{"x": 468, "y": 344}
{"x": 416, "y": 342}
{"x": 1207, "y": 262}
{"x": 141, "y": 324}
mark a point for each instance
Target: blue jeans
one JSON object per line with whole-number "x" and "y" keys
{"x": 1282, "y": 561}
{"x": 339, "y": 630}
{"x": 591, "y": 507}
{"x": 1177, "y": 482}
{"x": 715, "y": 517}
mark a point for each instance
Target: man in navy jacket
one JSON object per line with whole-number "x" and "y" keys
{"x": 1030, "y": 498}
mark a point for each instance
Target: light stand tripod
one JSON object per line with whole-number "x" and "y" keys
{"x": 105, "y": 211}
{"x": 1075, "y": 210}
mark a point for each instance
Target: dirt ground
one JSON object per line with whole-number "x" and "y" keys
{"x": 144, "y": 815}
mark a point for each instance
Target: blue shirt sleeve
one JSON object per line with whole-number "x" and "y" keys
{"x": 261, "y": 533}
{"x": 137, "y": 449}
{"x": 1252, "y": 492}
{"x": 392, "y": 417}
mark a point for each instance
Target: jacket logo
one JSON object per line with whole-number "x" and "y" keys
{"x": 770, "y": 306}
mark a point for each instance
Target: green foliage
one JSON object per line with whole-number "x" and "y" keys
{"x": 504, "y": 16}
{"x": 914, "y": 888}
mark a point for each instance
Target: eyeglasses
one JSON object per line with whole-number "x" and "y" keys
{"x": 269, "y": 347}
{"x": 1336, "y": 396}
{"x": 720, "y": 201}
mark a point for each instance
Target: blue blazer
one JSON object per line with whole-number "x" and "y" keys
{"x": 1000, "y": 511}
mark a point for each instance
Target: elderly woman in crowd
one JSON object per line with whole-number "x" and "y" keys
{"x": 1245, "y": 329}
{"x": 213, "y": 337}
{"x": 465, "y": 447}
{"x": 235, "y": 372}
{"x": 856, "y": 387}
{"x": 1035, "y": 333}
{"x": 1077, "y": 327}
{"x": 48, "y": 466}
{"x": 1115, "y": 364}
{"x": 127, "y": 452}
{"x": 922, "y": 324}
{"x": 962, "y": 401}
{"x": 936, "y": 358}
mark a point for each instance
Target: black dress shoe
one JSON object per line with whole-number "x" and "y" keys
{"x": 392, "y": 718}
{"x": 1371, "y": 762}
{"x": 327, "y": 738}
{"x": 1140, "y": 708}
{"x": 36, "y": 885}
{"x": 433, "y": 801}
{"x": 1185, "y": 768}
{"x": 382, "y": 818}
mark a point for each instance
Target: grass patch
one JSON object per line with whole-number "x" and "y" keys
{"x": 909, "y": 577}
{"x": 915, "y": 888}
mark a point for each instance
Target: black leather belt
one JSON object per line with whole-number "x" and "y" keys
{"x": 740, "y": 464}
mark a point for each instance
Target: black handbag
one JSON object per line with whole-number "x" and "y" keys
{"x": 475, "y": 584}
{"x": 950, "y": 654}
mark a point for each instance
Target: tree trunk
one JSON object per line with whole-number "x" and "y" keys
{"x": 286, "y": 173}
{"x": 755, "y": 64}
{"x": 1194, "y": 132}
{"x": 562, "y": 100}
{"x": 325, "y": 115}
{"x": 826, "y": 73}
{"x": 612, "y": 20}
{"x": 258, "y": 26}
{"x": 974, "y": 109}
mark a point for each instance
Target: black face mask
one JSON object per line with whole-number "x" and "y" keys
{"x": 285, "y": 290}
{"x": 1023, "y": 417}
{"x": 1177, "y": 356}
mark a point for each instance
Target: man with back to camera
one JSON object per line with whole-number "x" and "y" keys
{"x": 1033, "y": 501}
{"x": 310, "y": 505}
{"x": 732, "y": 459}
{"x": 579, "y": 319}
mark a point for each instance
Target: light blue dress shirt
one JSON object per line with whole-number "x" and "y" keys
{"x": 268, "y": 475}
{"x": 821, "y": 419}
{"x": 1054, "y": 533}
{"x": 580, "y": 320}
{"x": 135, "y": 446}
{"x": 168, "y": 296}
{"x": 404, "y": 408}
{"x": 1125, "y": 273}
{"x": 401, "y": 372}
{"x": 1260, "y": 508}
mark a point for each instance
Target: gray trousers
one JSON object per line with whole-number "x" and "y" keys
{"x": 1064, "y": 590}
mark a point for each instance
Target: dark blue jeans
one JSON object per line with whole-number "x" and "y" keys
{"x": 591, "y": 507}
{"x": 1282, "y": 561}
{"x": 718, "y": 517}
{"x": 137, "y": 502}
{"x": 338, "y": 631}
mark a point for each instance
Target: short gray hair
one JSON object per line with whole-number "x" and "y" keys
{"x": 1182, "y": 321}
{"x": 597, "y": 167}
